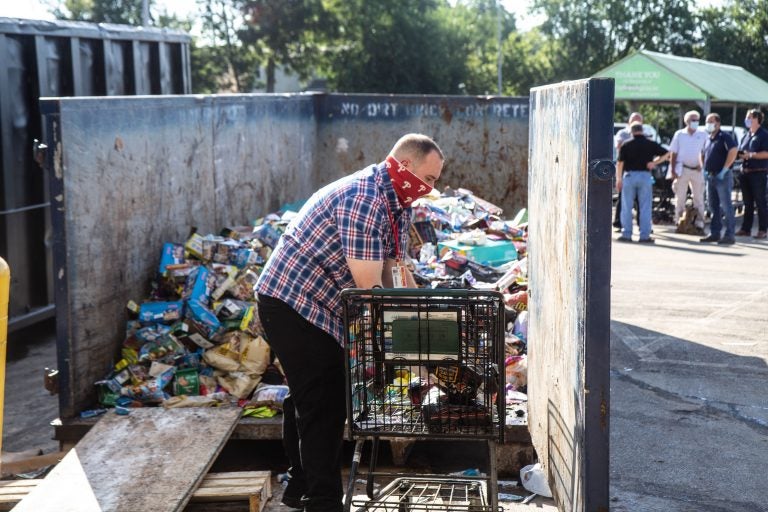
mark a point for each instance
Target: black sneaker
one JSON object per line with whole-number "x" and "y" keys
{"x": 293, "y": 496}
{"x": 726, "y": 241}
{"x": 623, "y": 239}
{"x": 710, "y": 238}
{"x": 647, "y": 241}
{"x": 293, "y": 502}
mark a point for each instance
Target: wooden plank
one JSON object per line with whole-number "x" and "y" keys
{"x": 152, "y": 459}
{"x": 31, "y": 463}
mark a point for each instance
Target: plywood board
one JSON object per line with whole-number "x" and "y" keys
{"x": 152, "y": 459}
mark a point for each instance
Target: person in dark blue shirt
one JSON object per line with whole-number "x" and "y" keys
{"x": 719, "y": 154}
{"x": 754, "y": 150}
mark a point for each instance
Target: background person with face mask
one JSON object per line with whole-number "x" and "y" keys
{"x": 719, "y": 155}
{"x": 685, "y": 165}
{"x": 350, "y": 234}
{"x": 754, "y": 150}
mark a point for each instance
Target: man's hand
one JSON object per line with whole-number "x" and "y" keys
{"x": 722, "y": 173}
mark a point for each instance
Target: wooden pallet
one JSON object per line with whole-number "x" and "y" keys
{"x": 217, "y": 491}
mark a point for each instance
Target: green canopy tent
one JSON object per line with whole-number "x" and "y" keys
{"x": 659, "y": 78}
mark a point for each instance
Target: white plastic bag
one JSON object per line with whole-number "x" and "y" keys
{"x": 534, "y": 480}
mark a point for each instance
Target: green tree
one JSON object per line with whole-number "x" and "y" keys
{"x": 477, "y": 28}
{"x": 127, "y": 12}
{"x": 399, "y": 46}
{"x": 528, "y": 62}
{"x": 736, "y": 33}
{"x": 224, "y": 61}
{"x": 592, "y": 35}
{"x": 288, "y": 33}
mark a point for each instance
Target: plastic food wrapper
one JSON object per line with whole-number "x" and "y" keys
{"x": 186, "y": 382}
{"x": 251, "y": 323}
{"x": 172, "y": 256}
{"x": 182, "y": 401}
{"x": 204, "y": 319}
{"x": 223, "y": 357}
{"x": 517, "y": 300}
{"x": 516, "y": 370}
{"x": 244, "y": 285}
{"x": 200, "y": 285}
{"x": 269, "y": 394}
{"x": 521, "y": 325}
{"x": 534, "y": 480}
{"x": 262, "y": 411}
{"x": 150, "y": 312}
{"x": 238, "y": 384}
{"x": 164, "y": 347}
{"x": 254, "y": 356}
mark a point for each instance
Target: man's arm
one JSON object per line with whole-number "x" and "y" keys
{"x": 368, "y": 273}
{"x": 731, "y": 157}
{"x": 619, "y": 174}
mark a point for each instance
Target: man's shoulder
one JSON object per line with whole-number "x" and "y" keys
{"x": 725, "y": 137}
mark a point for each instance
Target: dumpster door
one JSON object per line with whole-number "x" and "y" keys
{"x": 569, "y": 199}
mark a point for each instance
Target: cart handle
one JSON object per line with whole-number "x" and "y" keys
{"x": 419, "y": 292}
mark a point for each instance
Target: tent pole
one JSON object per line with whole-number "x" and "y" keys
{"x": 733, "y": 120}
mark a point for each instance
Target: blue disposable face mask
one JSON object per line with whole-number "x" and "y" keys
{"x": 694, "y": 125}
{"x": 710, "y": 127}
{"x": 748, "y": 122}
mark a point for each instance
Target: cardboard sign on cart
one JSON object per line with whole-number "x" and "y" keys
{"x": 152, "y": 459}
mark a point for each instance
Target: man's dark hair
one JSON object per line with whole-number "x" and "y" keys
{"x": 636, "y": 128}
{"x": 415, "y": 145}
{"x": 714, "y": 116}
{"x": 756, "y": 114}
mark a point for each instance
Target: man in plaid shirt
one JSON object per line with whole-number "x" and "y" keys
{"x": 350, "y": 234}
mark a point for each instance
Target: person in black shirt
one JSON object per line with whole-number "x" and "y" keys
{"x": 636, "y": 159}
{"x": 754, "y": 150}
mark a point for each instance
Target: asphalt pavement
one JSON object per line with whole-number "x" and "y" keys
{"x": 689, "y": 378}
{"x": 689, "y": 375}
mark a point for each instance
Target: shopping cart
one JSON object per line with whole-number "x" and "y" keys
{"x": 424, "y": 364}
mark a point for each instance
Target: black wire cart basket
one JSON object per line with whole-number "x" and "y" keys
{"x": 425, "y": 364}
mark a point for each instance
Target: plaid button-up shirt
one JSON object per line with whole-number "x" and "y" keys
{"x": 346, "y": 219}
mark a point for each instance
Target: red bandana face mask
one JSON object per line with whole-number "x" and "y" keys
{"x": 408, "y": 186}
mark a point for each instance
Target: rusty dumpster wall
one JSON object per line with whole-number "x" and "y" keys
{"x": 569, "y": 247}
{"x": 132, "y": 173}
{"x": 128, "y": 174}
{"x": 485, "y": 139}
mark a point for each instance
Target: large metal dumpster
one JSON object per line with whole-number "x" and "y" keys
{"x": 128, "y": 174}
{"x": 54, "y": 58}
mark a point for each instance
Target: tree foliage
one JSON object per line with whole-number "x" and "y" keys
{"x": 127, "y": 12}
{"x": 288, "y": 33}
{"x": 440, "y": 46}
{"x": 736, "y": 33}
{"x": 589, "y": 36}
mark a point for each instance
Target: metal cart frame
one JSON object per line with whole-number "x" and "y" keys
{"x": 424, "y": 364}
